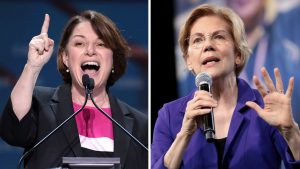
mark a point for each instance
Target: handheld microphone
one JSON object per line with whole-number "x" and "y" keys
{"x": 111, "y": 119}
{"x": 86, "y": 83}
{"x": 203, "y": 82}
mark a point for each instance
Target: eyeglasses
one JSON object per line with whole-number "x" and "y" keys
{"x": 198, "y": 40}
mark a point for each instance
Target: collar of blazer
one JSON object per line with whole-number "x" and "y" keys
{"x": 63, "y": 108}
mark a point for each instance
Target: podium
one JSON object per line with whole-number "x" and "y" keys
{"x": 90, "y": 163}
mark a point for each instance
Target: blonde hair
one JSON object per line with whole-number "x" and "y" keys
{"x": 236, "y": 29}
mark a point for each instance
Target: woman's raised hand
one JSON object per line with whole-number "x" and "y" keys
{"x": 278, "y": 109}
{"x": 40, "y": 47}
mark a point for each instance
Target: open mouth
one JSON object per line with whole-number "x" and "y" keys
{"x": 90, "y": 67}
{"x": 210, "y": 60}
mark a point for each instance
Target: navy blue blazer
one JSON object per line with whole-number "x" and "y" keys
{"x": 51, "y": 106}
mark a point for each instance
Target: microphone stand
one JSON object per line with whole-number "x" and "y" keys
{"x": 115, "y": 122}
{"x": 87, "y": 94}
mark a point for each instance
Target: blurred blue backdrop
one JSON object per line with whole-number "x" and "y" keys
{"x": 21, "y": 20}
{"x": 272, "y": 29}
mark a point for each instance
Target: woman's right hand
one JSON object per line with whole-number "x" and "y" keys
{"x": 40, "y": 47}
{"x": 40, "y": 51}
{"x": 201, "y": 104}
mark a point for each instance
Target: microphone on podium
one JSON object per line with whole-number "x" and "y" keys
{"x": 203, "y": 82}
{"x": 87, "y": 85}
{"x": 91, "y": 86}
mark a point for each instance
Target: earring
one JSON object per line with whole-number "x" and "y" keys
{"x": 67, "y": 70}
{"x": 112, "y": 70}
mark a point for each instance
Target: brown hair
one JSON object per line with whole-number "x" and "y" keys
{"x": 236, "y": 29}
{"x": 108, "y": 32}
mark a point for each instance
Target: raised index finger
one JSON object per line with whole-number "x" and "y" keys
{"x": 45, "y": 24}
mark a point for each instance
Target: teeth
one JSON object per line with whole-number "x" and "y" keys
{"x": 90, "y": 63}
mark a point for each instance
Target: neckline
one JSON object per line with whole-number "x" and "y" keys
{"x": 221, "y": 139}
{"x": 90, "y": 107}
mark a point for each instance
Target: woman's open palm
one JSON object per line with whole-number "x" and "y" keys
{"x": 277, "y": 109}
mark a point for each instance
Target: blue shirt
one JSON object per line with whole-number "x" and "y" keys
{"x": 251, "y": 142}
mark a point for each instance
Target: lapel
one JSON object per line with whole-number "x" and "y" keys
{"x": 121, "y": 139}
{"x": 62, "y": 109}
{"x": 238, "y": 121}
{"x": 235, "y": 126}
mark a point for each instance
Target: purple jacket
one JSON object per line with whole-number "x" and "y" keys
{"x": 251, "y": 143}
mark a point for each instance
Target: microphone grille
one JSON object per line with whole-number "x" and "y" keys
{"x": 203, "y": 77}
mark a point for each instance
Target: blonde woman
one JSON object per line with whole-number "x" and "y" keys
{"x": 253, "y": 128}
